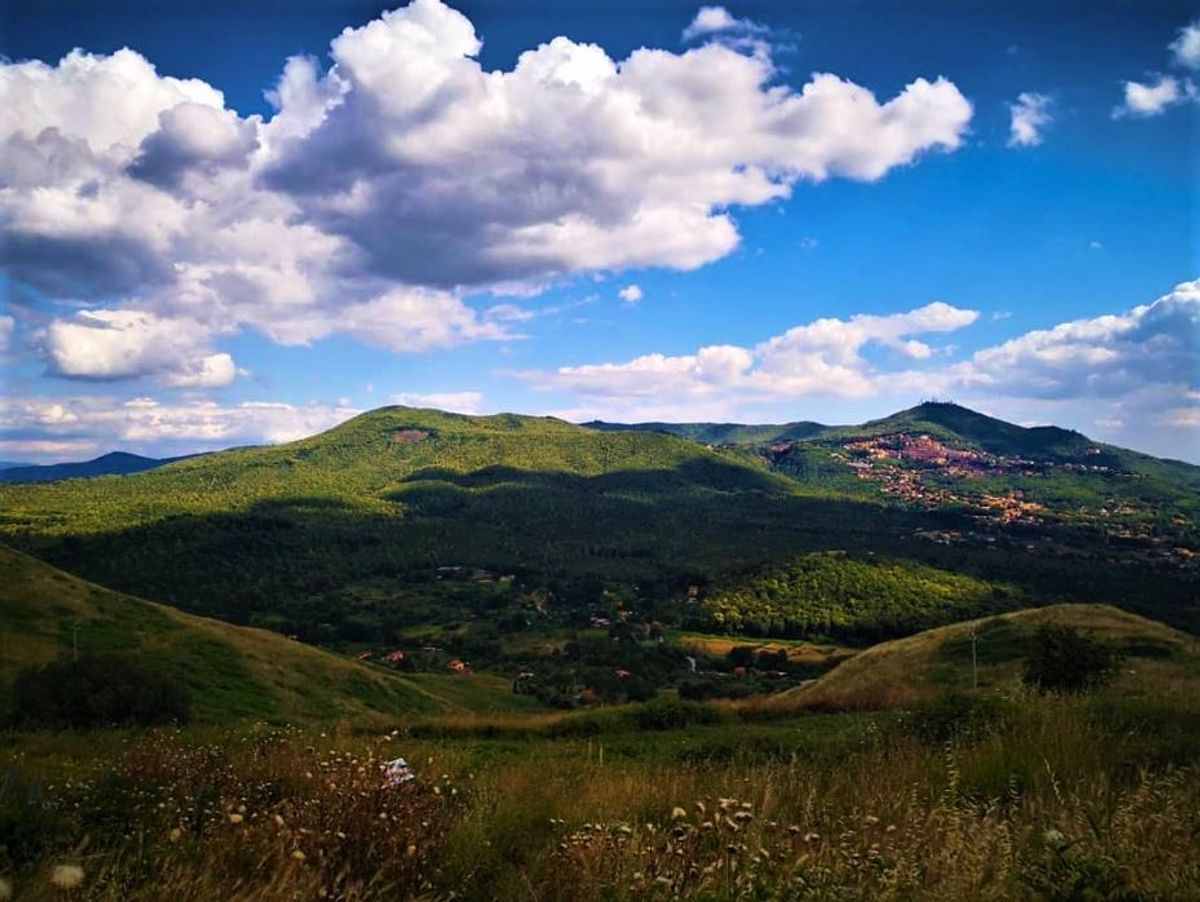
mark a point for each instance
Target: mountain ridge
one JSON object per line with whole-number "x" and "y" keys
{"x": 112, "y": 463}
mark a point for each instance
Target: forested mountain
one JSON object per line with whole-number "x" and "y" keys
{"x": 403, "y": 520}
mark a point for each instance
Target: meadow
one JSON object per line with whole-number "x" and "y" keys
{"x": 1012, "y": 795}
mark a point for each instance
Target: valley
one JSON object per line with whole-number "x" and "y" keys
{"x": 619, "y": 663}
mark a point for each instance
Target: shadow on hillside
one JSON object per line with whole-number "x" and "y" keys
{"x": 297, "y": 557}
{"x": 702, "y": 474}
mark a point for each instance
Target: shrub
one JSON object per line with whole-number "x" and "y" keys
{"x": 671, "y": 714}
{"x": 96, "y": 691}
{"x": 1063, "y": 660}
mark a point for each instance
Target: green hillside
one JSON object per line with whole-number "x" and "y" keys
{"x": 231, "y": 672}
{"x": 404, "y": 523}
{"x": 1160, "y": 663}
{"x": 358, "y": 520}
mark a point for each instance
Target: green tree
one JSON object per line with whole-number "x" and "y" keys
{"x": 1064, "y": 660}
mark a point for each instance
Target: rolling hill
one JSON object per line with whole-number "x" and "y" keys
{"x": 404, "y": 520}
{"x": 1160, "y": 663}
{"x": 231, "y": 672}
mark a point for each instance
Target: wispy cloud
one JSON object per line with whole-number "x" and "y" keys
{"x": 1030, "y": 115}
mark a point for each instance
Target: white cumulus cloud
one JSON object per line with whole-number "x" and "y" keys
{"x": 388, "y": 187}
{"x": 1151, "y": 99}
{"x": 1185, "y": 49}
{"x": 631, "y": 294}
{"x": 123, "y": 344}
{"x": 821, "y": 358}
{"x": 1151, "y": 345}
{"x": 717, "y": 20}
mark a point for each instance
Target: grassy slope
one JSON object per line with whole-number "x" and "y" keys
{"x": 231, "y": 671}
{"x": 1160, "y": 664}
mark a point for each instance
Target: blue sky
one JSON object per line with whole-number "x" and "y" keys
{"x": 758, "y": 212}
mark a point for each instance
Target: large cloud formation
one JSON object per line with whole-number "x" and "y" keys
{"x": 824, "y": 357}
{"x": 1150, "y": 346}
{"x": 1131, "y": 374}
{"x": 401, "y": 177}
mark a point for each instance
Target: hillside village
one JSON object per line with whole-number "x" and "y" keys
{"x": 919, "y": 469}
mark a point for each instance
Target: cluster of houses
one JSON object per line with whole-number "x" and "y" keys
{"x": 925, "y": 449}
{"x": 1012, "y": 507}
{"x": 397, "y": 658}
{"x": 929, "y": 453}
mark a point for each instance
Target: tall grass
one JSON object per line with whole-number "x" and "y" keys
{"x": 1049, "y": 798}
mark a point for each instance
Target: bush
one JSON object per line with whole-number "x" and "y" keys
{"x": 1063, "y": 660}
{"x": 96, "y": 691}
{"x": 672, "y": 714}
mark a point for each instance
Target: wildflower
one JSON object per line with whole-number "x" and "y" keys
{"x": 236, "y": 818}
{"x": 870, "y": 820}
{"x": 278, "y": 820}
{"x": 298, "y": 855}
{"x": 66, "y": 876}
{"x": 1053, "y": 837}
{"x": 174, "y": 835}
{"x": 812, "y": 837}
{"x": 678, "y": 813}
{"x": 411, "y": 850}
